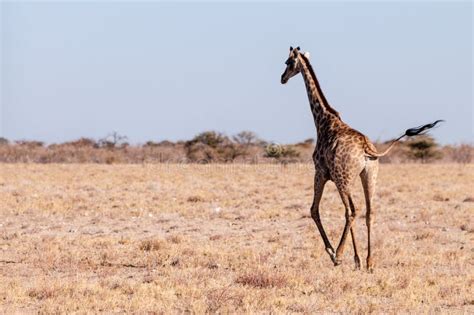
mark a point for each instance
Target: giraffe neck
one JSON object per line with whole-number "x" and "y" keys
{"x": 322, "y": 111}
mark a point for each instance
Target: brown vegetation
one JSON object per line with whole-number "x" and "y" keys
{"x": 211, "y": 147}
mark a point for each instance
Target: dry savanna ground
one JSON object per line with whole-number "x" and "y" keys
{"x": 228, "y": 238}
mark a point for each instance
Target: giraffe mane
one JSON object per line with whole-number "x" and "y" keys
{"x": 316, "y": 82}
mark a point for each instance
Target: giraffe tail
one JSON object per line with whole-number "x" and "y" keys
{"x": 371, "y": 152}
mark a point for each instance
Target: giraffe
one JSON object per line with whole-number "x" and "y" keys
{"x": 341, "y": 155}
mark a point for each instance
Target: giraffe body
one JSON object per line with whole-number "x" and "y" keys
{"x": 341, "y": 155}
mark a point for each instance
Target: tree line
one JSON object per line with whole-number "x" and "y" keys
{"x": 211, "y": 147}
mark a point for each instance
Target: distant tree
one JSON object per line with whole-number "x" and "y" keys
{"x": 246, "y": 138}
{"x": 423, "y": 148}
{"x": 3, "y": 141}
{"x": 113, "y": 140}
{"x": 210, "y": 138}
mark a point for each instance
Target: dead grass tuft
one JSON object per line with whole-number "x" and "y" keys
{"x": 273, "y": 239}
{"x": 298, "y": 308}
{"x": 294, "y": 206}
{"x": 467, "y": 228}
{"x": 439, "y": 197}
{"x": 195, "y": 199}
{"x": 225, "y": 297}
{"x": 175, "y": 262}
{"x": 469, "y": 199}
{"x": 215, "y": 237}
{"x": 175, "y": 239}
{"x": 42, "y": 293}
{"x": 423, "y": 236}
{"x": 151, "y": 245}
{"x": 212, "y": 265}
{"x": 262, "y": 279}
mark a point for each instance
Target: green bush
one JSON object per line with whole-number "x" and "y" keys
{"x": 423, "y": 148}
{"x": 285, "y": 153}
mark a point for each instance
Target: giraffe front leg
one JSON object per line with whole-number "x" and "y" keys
{"x": 328, "y": 247}
{"x": 319, "y": 182}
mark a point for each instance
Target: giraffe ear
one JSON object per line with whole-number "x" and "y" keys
{"x": 306, "y": 54}
{"x": 298, "y": 48}
{"x": 291, "y": 48}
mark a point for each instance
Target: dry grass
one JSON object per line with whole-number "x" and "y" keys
{"x": 228, "y": 238}
{"x": 262, "y": 279}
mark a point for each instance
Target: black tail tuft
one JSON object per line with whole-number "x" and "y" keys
{"x": 419, "y": 130}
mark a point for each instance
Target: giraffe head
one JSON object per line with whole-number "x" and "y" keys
{"x": 293, "y": 64}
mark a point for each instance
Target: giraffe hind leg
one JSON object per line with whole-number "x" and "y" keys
{"x": 369, "y": 178}
{"x": 354, "y": 242}
{"x": 350, "y": 213}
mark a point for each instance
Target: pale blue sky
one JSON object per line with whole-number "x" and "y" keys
{"x": 155, "y": 71}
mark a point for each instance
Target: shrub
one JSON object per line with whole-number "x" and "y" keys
{"x": 308, "y": 143}
{"x": 283, "y": 153}
{"x": 423, "y": 148}
{"x": 30, "y": 144}
{"x": 210, "y": 138}
{"x": 461, "y": 154}
{"x": 164, "y": 143}
{"x": 211, "y": 146}
{"x": 82, "y": 143}
{"x": 151, "y": 144}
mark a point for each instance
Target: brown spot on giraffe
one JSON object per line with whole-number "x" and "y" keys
{"x": 341, "y": 155}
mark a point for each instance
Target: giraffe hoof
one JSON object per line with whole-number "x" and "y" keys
{"x": 370, "y": 266}
{"x": 332, "y": 255}
{"x": 357, "y": 262}
{"x": 337, "y": 261}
